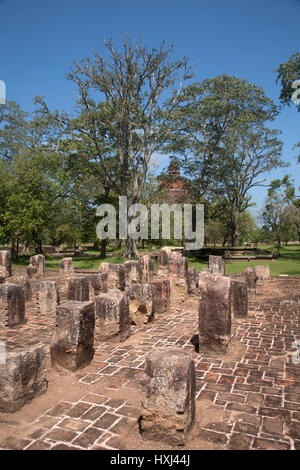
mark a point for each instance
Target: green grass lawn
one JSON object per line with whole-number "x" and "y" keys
{"x": 287, "y": 263}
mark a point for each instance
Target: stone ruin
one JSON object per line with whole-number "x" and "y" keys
{"x": 168, "y": 396}
{"x": 104, "y": 305}
{"x": 5, "y": 264}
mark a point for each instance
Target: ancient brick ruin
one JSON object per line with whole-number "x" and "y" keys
{"x": 168, "y": 354}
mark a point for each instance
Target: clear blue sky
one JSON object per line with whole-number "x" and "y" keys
{"x": 39, "y": 41}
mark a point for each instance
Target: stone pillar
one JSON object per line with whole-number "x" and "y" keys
{"x": 239, "y": 298}
{"x": 12, "y": 305}
{"x": 147, "y": 268}
{"x": 140, "y": 303}
{"x": 192, "y": 280}
{"x": 72, "y": 344}
{"x": 216, "y": 265}
{"x": 250, "y": 277}
{"x": 160, "y": 295}
{"x": 78, "y": 289}
{"x": 214, "y": 314}
{"x": 112, "y": 316}
{"x": 168, "y": 396}
{"x": 25, "y": 283}
{"x": 36, "y": 268}
{"x": 163, "y": 261}
{"x": 65, "y": 266}
{"x": 178, "y": 268}
{"x": 22, "y": 377}
{"x": 116, "y": 275}
{"x": 262, "y": 271}
{"x": 133, "y": 272}
{"x": 97, "y": 284}
{"x": 5, "y": 264}
{"x": 47, "y": 298}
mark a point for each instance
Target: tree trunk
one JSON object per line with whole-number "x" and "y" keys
{"x": 130, "y": 250}
{"x": 103, "y": 248}
{"x": 25, "y": 247}
{"x": 14, "y": 252}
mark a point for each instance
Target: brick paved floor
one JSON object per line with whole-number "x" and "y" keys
{"x": 253, "y": 391}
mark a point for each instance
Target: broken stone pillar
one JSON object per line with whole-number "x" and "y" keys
{"x": 36, "y": 268}
{"x": 22, "y": 377}
{"x": 140, "y": 303}
{"x": 262, "y": 271}
{"x": 250, "y": 277}
{"x": 133, "y": 272}
{"x": 163, "y": 257}
{"x": 168, "y": 396}
{"x": 216, "y": 265}
{"x": 115, "y": 275}
{"x": 72, "y": 344}
{"x": 78, "y": 289}
{"x": 178, "y": 267}
{"x": 5, "y": 264}
{"x": 192, "y": 280}
{"x": 65, "y": 266}
{"x": 239, "y": 298}
{"x": 214, "y": 313}
{"x": 12, "y": 305}
{"x": 112, "y": 316}
{"x": 25, "y": 283}
{"x": 98, "y": 284}
{"x": 47, "y": 298}
{"x": 147, "y": 268}
{"x": 160, "y": 295}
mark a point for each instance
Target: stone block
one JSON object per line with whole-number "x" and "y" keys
{"x": 22, "y": 377}
{"x": 78, "y": 289}
{"x": 214, "y": 313}
{"x": 239, "y": 298}
{"x": 5, "y": 264}
{"x": 133, "y": 272}
{"x": 160, "y": 295}
{"x": 112, "y": 316}
{"x": 36, "y": 268}
{"x": 168, "y": 396}
{"x": 262, "y": 271}
{"x": 66, "y": 266}
{"x": 47, "y": 298}
{"x": 216, "y": 265}
{"x": 72, "y": 344}
{"x": 26, "y": 284}
{"x": 12, "y": 305}
{"x": 147, "y": 268}
{"x": 140, "y": 303}
{"x": 115, "y": 275}
{"x": 97, "y": 284}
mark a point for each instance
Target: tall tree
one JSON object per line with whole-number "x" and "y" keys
{"x": 130, "y": 93}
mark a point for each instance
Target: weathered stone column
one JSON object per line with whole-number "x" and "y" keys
{"x": 36, "y": 268}
{"x": 115, "y": 273}
{"x": 112, "y": 316}
{"x": 216, "y": 265}
{"x": 163, "y": 257}
{"x": 192, "y": 280}
{"x": 133, "y": 272}
{"x": 47, "y": 297}
{"x": 5, "y": 264}
{"x": 168, "y": 396}
{"x": 97, "y": 284}
{"x": 72, "y": 344}
{"x": 25, "y": 283}
{"x": 178, "y": 268}
{"x": 214, "y": 313}
{"x": 250, "y": 277}
{"x": 12, "y": 305}
{"x": 262, "y": 271}
{"x": 239, "y": 298}
{"x": 140, "y": 303}
{"x": 78, "y": 289}
{"x": 147, "y": 268}
{"x": 66, "y": 266}
{"x": 160, "y": 295}
{"x": 22, "y": 377}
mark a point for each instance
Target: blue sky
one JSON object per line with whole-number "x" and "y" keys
{"x": 40, "y": 40}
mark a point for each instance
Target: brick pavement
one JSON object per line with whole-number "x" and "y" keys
{"x": 254, "y": 390}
